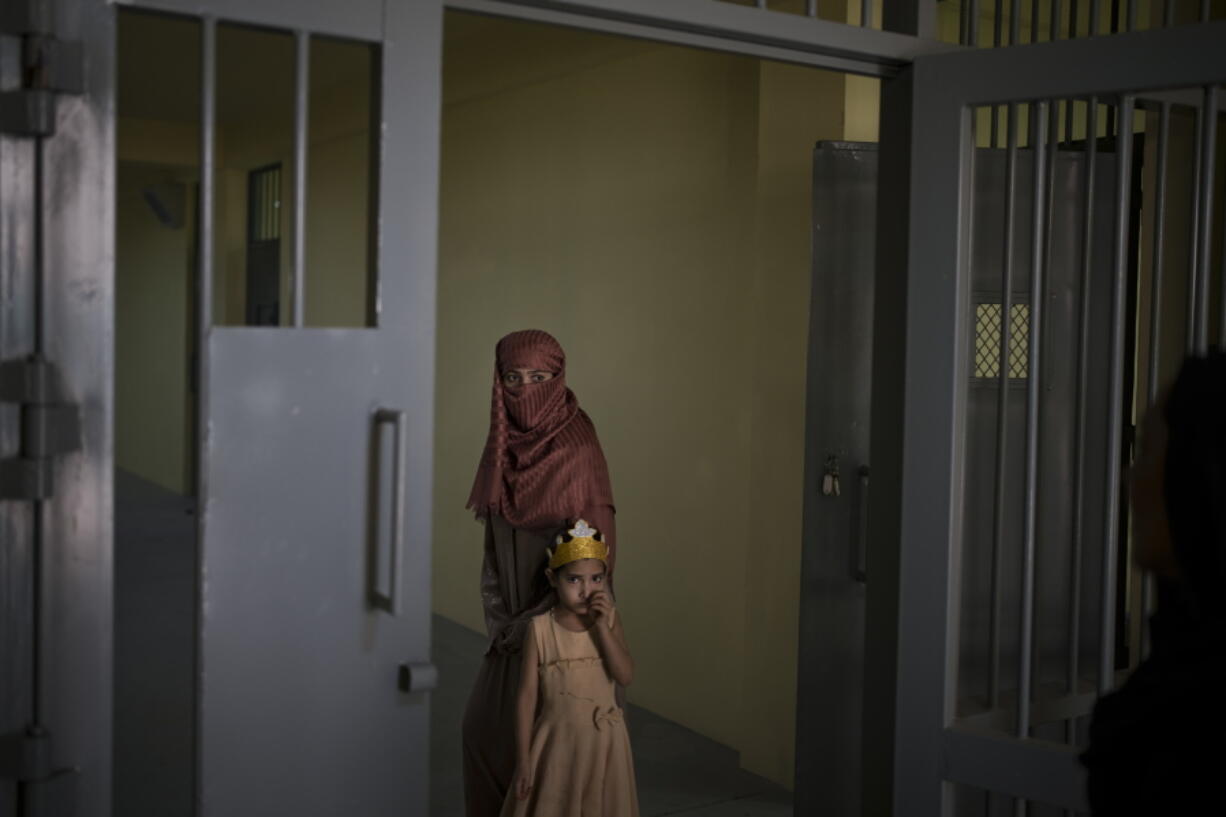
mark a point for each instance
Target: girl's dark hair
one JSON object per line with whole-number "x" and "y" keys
{"x": 1194, "y": 482}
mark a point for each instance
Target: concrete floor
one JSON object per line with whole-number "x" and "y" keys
{"x": 678, "y": 771}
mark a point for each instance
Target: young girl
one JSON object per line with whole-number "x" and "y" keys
{"x": 573, "y": 758}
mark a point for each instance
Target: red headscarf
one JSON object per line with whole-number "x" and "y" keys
{"x": 543, "y": 464}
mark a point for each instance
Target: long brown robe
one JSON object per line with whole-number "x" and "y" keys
{"x": 513, "y": 590}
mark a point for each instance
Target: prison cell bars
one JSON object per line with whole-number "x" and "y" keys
{"x": 1122, "y": 16}
{"x": 1082, "y": 400}
{"x": 1002, "y": 413}
{"x": 1044, "y": 141}
{"x": 1034, "y": 376}
{"x": 208, "y": 128}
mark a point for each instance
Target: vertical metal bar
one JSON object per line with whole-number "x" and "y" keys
{"x": 1057, "y": 13}
{"x": 1015, "y": 21}
{"x": 1038, "y": 250}
{"x": 1115, "y": 425}
{"x": 1168, "y": 13}
{"x": 1204, "y": 254}
{"x": 972, "y": 27}
{"x": 1083, "y": 379}
{"x": 301, "y": 103}
{"x": 1131, "y": 21}
{"x": 208, "y": 128}
{"x": 1034, "y": 28}
{"x": 1221, "y": 325}
{"x": 1095, "y": 13}
{"x": 866, "y": 13}
{"x": 204, "y": 328}
{"x": 1194, "y": 234}
{"x": 1002, "y": 408}
{"x": 761, "y": 4}
{"x": 1069, "y": 105}
{"x": 811, "y": 8}
{"x": 1158, "y": 248}
{"x": 998, "y": 27}
{"x": 1204, "y": 10}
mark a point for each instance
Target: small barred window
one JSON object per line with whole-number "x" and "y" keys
{"x": 987, "y": 340}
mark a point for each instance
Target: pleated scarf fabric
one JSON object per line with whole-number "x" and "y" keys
{"x": 542, "y": 464}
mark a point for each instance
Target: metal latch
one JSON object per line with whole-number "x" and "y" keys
{"x": 48, "y": 67}
{"x": 45, "y": 791}
{"x": 50, "y": 426}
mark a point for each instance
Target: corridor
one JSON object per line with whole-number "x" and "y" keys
{"x": 678, "y": 771}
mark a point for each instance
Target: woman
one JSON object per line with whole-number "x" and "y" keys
{"x": 542, "y": 470}
{"x": 1158, "y": 744}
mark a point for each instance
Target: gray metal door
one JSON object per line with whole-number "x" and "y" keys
{"x": 56, "y": 246}
{"x": 1069, "y": 539}
{"x": 834, "y": 559}
{"x": 315, "y": 463}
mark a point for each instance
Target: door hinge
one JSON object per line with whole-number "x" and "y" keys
{"x": 48, "y": 67}
{"x": 50, "y": 426}
{"x": 44, "y": 791}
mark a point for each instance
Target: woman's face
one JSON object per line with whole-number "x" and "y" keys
{"x": 576, "y": 582}
{"x": 1151, "y": 535}
{"x": 514, "y": 378}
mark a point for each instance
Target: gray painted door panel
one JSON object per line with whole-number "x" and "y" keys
{"x": 301, "y": 708}
{"x": 299, "y": 703}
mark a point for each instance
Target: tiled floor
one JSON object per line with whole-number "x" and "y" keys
{"x": 678, "y": 771}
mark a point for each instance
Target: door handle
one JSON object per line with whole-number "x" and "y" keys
{"x": 390, "y": 601}
{"x": 859, "y": 566}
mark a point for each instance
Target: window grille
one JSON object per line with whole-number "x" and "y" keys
{"x": 987, "y": 340}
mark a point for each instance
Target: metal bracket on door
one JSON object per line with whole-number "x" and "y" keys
{"x": 50, "y": 426}
{"x": 45, "y": 791}
{"x": 48, "y": 67}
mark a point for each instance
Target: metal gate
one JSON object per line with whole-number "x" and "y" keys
{"x": 923, "y": 357}
{"x": 988, "y": 732}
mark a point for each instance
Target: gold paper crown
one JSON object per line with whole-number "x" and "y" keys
{"x": 583, "y": 544}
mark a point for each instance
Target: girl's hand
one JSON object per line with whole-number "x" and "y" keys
{"x": 523, "y": 781}
{"x": 600, "y": 608}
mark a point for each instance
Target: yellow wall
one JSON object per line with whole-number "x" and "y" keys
{"x": 151, "y": 342}
{"x": 787, "y": 131}
{"x": 613, "y": 206}
{"x": 649, "y": 205}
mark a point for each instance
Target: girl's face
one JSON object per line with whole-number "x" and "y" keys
{"x": 514, "y": 378}
{"x": 576, "y": 582}
{"x": 1151, "y": 535}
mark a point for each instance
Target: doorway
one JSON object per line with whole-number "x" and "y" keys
{"x": 649, "y": 205}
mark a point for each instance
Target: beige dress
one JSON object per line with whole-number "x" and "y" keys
{"x": 513, "y": 591}
{"x": 580, "y": 750}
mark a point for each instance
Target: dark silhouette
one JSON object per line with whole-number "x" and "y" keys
{"x": 1158, "y": 744}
